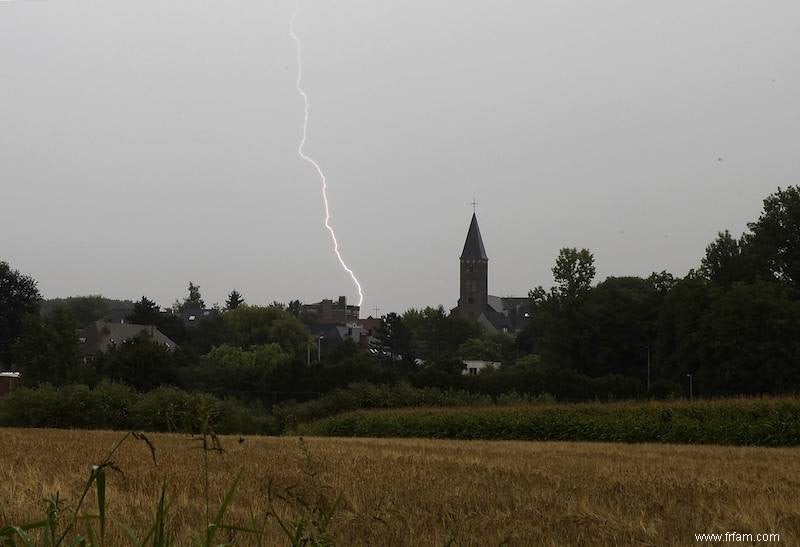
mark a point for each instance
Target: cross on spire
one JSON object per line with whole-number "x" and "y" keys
{"x": 474, "y": 205}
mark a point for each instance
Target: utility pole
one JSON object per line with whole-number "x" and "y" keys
{"x": 308, "y": 353}
{"x": 377, "y": 309}
{"x": 648, "y": 369}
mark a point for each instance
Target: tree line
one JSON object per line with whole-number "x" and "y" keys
{"x": 732, "y": 324}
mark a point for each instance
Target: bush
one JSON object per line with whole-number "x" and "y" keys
{"x": 763, "y": 422}
{"x": 367, "y": 396}
{"x": 364, "y": 395}
{"x": 116, "y": 406}
{"x": 528, "y": 376}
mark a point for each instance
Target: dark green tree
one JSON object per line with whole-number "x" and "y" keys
{"x": 234, "y": 300}
{"x": 145, "y": 312}
{"x": 439, "y": 335}
{"x": 86, "y": 309}
{"x": 18, "y": 297}
{"x": 48, "y": 350}
{"x": 140, "y": 363}
{"x": 749, "y": 340}
{"x": 210, "y": 331}
{"x": 662, "y": 282}
{"x": 573, "y": 273}
{"x": 249, "y": 326}
{"x": 246, "y": 374}
{"x": 726, "y": 261}
{"x": 679, "y": 345}
{"x": 619, "y": 321}
{"x": 395, "y": 338}
{"x": 556, "y": 327}
{"x": 290, "y": 334}
{"x": 775, "y": 237}
{"x": 193, "y": 301}
{"x": 480, "y": 348}
{"x": 295, "y": 307}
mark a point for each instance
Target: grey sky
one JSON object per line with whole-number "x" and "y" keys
{"x": 145, "y": 144}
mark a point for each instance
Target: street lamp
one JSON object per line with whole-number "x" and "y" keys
{"x": 691, "y": 388}
{"x": 319, "y": 347}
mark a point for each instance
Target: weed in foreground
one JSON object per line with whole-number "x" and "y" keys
{"x": 310, "y": 507}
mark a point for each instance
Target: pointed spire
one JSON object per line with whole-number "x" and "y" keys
{"x": 473, "y": 246}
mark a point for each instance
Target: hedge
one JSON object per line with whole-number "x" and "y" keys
{"x": 762, "y": 422}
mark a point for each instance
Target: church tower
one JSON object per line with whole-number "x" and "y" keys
{"x": 474, "y": 296}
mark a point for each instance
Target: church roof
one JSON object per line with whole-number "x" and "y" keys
{"x": 473, "y": 246}
{"x": 498, "y": 320}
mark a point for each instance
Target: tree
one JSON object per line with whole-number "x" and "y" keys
{"x": 193, "y": 301}
{"x": 750, "y": 341}
{"x": 678, "y": 345}
{"x": 619, "y": 324}
{"x": 290, "y": 333}
{"x": 86, "y": 309}
{"x": 662, "y": 282}
{"x": 395, "y": 338}
{"x": 438, "y": 333}
{"x": 234, "y": 300}
{"x": 295, "y": 307}
{"x": 47, "y": 350}
{"x": 145, "y": 312}
{"x": 556, "y": 326}
{"x": 574, "y": 272}
{"x": 725, "y": 262}
{"x": 19, "y": 296}
{"x": 247, "y": 374}
{"x": 210, "y": 331}
{"x": 249, "y": 326}
{"x": 140, "y": 363}
{"x": 775, "y": 239}
{"x": 480, "y": 348}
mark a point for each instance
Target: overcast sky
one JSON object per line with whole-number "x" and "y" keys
{"x": 144, "y": 144}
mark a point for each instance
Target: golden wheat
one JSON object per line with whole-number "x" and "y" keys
{"x": 422, "y": 492}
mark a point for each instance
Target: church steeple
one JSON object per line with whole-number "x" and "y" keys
{"x": 473, "y": 246}
{"x": 474, "y": 293}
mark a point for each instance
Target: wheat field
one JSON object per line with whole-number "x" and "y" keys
{"x": 415, "y": 492}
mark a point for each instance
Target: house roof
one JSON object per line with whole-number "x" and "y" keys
{"x": 101, "y": 335}
{"x": 473, "y": 246}
{"x": 326, "y": 332}
{"x": 496, "y": 303}
{"x": 507, "y": 312}
{"x": 498, "y": 320}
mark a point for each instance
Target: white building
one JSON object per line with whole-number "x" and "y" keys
{"x": 474, "y": 366}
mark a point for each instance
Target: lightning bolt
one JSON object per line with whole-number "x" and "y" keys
{"x": 302, "y": 154}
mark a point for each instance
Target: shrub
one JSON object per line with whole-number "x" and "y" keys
{"x": 765, "y": 422}
{"x": 116, "y": 406}
{"x": 364, "y": 395}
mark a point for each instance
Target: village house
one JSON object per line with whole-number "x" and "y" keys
{"x": 101, "y": 336}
